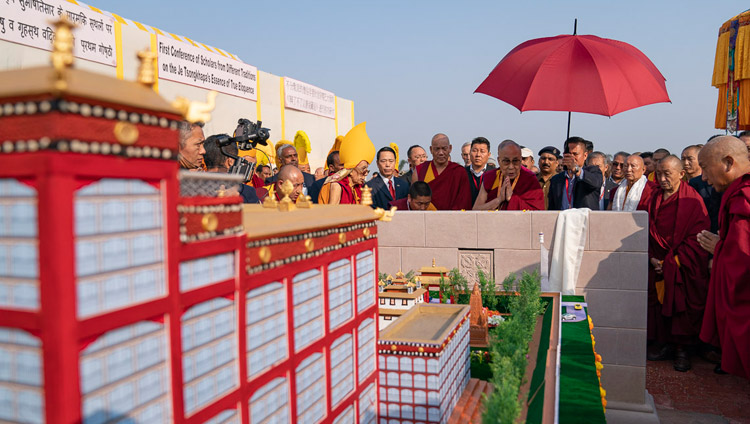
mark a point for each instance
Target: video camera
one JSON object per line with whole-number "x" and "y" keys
{"x": 247, "y": 135}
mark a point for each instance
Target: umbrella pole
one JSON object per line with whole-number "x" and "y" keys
{"x": 575, "y": 31}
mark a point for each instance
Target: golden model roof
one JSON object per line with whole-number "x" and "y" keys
{"x": 401, "y": 295}
{"x": 425, "y": 323}
{"x": 434, "y": 270}
{"x": 41, "y": 81}
{"x": 391, "y": 311}
{"x": 264, "y": 222}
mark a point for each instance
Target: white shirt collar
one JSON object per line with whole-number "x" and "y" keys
{"x": 386, "y": 180}
{"x": 481, "y": 171}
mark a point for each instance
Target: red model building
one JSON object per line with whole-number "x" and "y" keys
{"x": 130, "y": 290}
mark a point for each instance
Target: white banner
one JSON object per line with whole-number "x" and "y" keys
{"x": 309, "y": 98}
{"x": 185, "y": 63}
{"x": 28, "y": 22}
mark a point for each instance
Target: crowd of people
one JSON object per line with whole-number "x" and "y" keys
{"x": 698, "y": 205}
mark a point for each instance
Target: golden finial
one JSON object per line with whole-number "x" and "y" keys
{"x": 286, "y": 189}
{"x": 304, "y": 201}
{"x": 146, "y": 74}
{"x": 366, "y": 196}
{"x": 384, "y": 215}
{"x": 196, "y": 111}
{"x": 62, "y": 50}
{"x": 270, "y": 202}
{"x": 399, "y": 274}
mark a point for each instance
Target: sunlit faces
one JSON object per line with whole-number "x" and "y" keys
{"x": 419, "y": 203}
{"x": 289, "y": 156}
{"x": 441, "y": 150}
{"x": 298, "y": 182}
{"x": 417, "y": 157}
{"x": 359, "y": 173}
{"x": 578, "y": 152}
{"x": 509, "y": 160}
{"x": 669, "y": 174}
{"x": 193, "y": 150}
{"x": 618, "y": 167}
{"x": 714, "y": 172}
{"x": 690, "y": 161}
{"x": 386, "y": 163}
{"x": 547, "y": 163}
{"x": 634, "y": 168}
{"x": 479, "y": 154}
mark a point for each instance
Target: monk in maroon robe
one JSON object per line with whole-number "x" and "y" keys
{"x": 448, "y": 180}
{"x": 510, "y": 187}
{"x": 634, "y": 191}
{"x": 725, "y": 165}
{"x": 678, "y": 275}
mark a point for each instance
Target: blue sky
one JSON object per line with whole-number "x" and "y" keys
{"x": 411, "y": 66}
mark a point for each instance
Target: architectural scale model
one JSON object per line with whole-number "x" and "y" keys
{"x": 396, "y": 296}
{"x": 424, "y": 364}
{"x": 130, "y": 291}
{"x": 430, "y": 278}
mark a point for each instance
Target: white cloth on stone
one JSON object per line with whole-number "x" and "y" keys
{"x": 567, "y": 250}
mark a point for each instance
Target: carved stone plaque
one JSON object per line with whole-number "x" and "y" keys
{"x": 471, "y": 260}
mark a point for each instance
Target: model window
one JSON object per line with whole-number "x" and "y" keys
{"x": 393, "y": 301}
{"x": 382, "y": 301}
{"x": 387, "y": 317}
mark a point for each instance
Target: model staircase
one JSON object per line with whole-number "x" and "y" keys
{"x": 470, "y": 405}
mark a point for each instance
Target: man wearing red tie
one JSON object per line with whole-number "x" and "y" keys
{"x": 386, "y": 187}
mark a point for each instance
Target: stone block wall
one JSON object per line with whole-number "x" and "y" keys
{"x": 613, "y": 274}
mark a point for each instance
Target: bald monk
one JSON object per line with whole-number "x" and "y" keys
{"x": 448, "y": 180}
{"x": 294, "y": 175}
{"x": 418, "y": 199}
{"x": 634, "y": 191}
{"x": 726, "y": 167}
{"x": 678, "y": 275}
{"x": 356, "y": 153}
{"x": 510, "y": 186}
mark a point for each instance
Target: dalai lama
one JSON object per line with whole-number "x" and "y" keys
{"x": 448, "y": 180}
{"x": 511, "y": 186}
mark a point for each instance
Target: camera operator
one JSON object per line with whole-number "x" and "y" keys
{"x": 218, "y": 162}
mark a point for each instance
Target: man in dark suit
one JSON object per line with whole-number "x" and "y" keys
{"x": 334, "y": 165}
{"x": 415, "y": 156}
{"x": 577, "y": 186}
{"x": 288, "y": 156}
{"x": 386, "y": 187}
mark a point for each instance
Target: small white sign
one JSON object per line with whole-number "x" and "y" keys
{"x": 29, "y": 22}
{"x": 309, "y": 98}
{"x": 185, "y": 63}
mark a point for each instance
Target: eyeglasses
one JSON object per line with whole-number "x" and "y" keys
{"x": 507, "y": 162}
{"x": 617, "y": 165}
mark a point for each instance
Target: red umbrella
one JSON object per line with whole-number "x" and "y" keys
{"x": 576, "y": 73}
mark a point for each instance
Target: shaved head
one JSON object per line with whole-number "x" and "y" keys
{"x": 634, "y": 168}
{"x": 672, "y": 161}
{"x": 294, "y": 175}
{"x": 669, "y": 173}
{"x": 723, "y": 160}
{"x": 440, "y": 147}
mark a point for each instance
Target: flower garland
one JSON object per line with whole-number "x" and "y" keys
{"x": 599, "y": 366}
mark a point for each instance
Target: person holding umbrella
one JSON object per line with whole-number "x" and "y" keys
{"x": 578, "y": 186}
